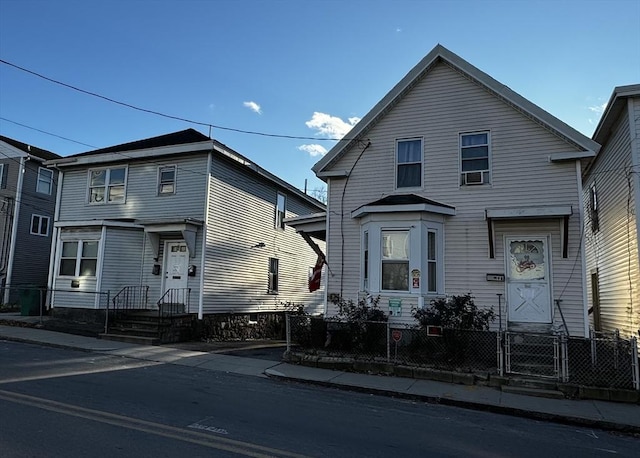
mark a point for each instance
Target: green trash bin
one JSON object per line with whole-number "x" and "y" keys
{"x": 29, "y": 301}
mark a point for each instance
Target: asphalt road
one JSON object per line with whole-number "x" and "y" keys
{"x": 64, "y": 403}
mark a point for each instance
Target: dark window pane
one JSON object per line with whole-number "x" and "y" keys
{"x": 69, "y": 249}
{"x": 117, "y": 176}
{"x": 88, "y": 268}
{"x": 431, "y": 277}
{"x": 475, "y": 165}
{"x": 68, "y": 267}
{"x": 474, "y": 139}
{"x": 90, "y": 250}
{"x": 34, "y": 224}
{"x": 409, "y": 151}
{"x": 475, "y": 152}
{"x": 409, "y": 176}
{"x": 395, "y": 276}
{"x": 44, "y": 226}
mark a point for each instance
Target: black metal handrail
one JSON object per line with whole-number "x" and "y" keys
{"x": 174, "y": 301}
{"x": 126, "y": 300}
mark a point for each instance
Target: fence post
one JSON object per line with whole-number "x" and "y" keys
{"x": 634, "y": 363}
{"x": 106, "y": 317}
{"x": 564, "y": 357}
{"x": 388, "y": 342}
{"x": 500, "y": 353}
{"x": 40, "y": 303}
{"x": 288, "y": 331}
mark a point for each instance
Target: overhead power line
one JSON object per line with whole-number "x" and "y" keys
{"x": 164, "y": 115}
{"x": 48, "y": 133}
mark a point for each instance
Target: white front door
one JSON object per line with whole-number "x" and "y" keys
{"x": 176, "y": 265}
{"x": 528, "y": 290}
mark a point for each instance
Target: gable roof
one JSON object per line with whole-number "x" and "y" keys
{"x": 175, "y": 138}
{"x": 616, "y": 104}
{"x": 31, "y": 150}
{"x": 403, "y": 203}
{"x": 442, "y": 54}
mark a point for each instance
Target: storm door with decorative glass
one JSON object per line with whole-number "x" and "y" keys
{"x": 528, "y": 292}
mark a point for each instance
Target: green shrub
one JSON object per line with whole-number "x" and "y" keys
{"x": 455, "y": 312}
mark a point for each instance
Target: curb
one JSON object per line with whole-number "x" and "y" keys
{"x": 513, "y": 411}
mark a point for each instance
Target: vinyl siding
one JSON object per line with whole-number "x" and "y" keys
{"x": 7, "y": 206}
{"x": 122, "y": 261}
{"x": 241, "y": 215}
{"x": 440, "y": 107}
{"x": 142, "y": 201}
{"x": 31, "y": 259}
{"x": 613, "y": 249}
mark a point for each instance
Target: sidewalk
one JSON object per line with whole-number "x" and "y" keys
{"x": 588, "y": 413}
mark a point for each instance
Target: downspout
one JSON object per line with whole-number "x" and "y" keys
{"x": 326, "y": 248}
{"x": 14, "y": 229}
{"x": 204, "y": 237}
{"x": 585, "y": 300}
{"x": 54, "y": 241}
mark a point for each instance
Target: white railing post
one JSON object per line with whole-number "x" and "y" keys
{"x": 288, "y": 331}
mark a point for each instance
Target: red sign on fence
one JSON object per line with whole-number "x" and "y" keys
{"x": 396, "y": 335}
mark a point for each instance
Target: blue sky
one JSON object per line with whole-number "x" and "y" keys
{"x": 305, "y": 68}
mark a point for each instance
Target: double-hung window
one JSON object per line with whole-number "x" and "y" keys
{"x": 474, "y": 158}
{"x": 44, "y": 184}
{"x": 167, "y": 180}
{"x": 107, "y": 185}
{"x": 79, "y": 258}
{"x": 40, "y": 225}
{"x": 272, "y": 287}
{"x": 281, "y": 209}
{"x": 409, "y": 163}
{"x": 593, "y": 209}
{"x": 395, "y": 260}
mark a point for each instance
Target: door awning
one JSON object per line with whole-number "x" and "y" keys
{"x": 537, "y": 212}
{"x": 188, "y": 228}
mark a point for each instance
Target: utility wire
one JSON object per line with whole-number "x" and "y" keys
{"x": 48, "y": 133}
{"x": 164, "y": 115}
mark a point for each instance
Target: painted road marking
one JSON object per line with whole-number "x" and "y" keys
{"x": 171, "y": 432}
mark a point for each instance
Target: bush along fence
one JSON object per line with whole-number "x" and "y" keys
{"x": 462, "y": 342}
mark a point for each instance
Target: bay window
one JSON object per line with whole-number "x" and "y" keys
{"x": 78, "y": 259}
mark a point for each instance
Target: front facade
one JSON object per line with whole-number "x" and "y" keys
{"x": 27, "y": 202}
{"x": 454, "y": 184}
{"x": 612, "y": 204}
{"x": 188, "y": 218}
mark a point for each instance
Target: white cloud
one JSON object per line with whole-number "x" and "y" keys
{"x": 598, "y": 108}
{"x": 330, "y": 126}
{"x": 398, "y": 30}
{"x": 253, "y": 106}
{"x": 313, "y": 149}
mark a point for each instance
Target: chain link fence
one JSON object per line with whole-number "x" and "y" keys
{"x": 606, "y": 361}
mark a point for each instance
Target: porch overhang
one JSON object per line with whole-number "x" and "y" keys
{"x": 188, "y": 228}
{"x": 313, "y": 225}
{"x": 539, "y": 212}
{"x": 398, "y": 203}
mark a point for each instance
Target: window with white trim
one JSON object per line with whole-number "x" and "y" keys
{"x": 107, "y": 186}
{"x": 474, "y": 158}
{"x": 40, "y": 225}
{"x": 78, "y": 258}
{"x": 402, "y": 256}
{"x": 593, "y": 209}
{"x": 167, "y": 180}
{"x": 281, "y": 210}
{"x": 272, "y": 287}
{"x": 409, "y": 163}
{"x": 44, "y": 184}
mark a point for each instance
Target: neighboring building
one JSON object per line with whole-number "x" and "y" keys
{"x": 27, "y": 203}
{"x": 190, "y": 218}
{"x": 612, "y": 204}
{"x": 455, "y": 184}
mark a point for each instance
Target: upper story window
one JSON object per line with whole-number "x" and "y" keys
{"x": 409, "y": 163}
{"x": 78, "y": 259}
{"x": 474, "y": 158}
{"x": 281, "y": 209}
{"x": 40, "y": 225}
{"x": 167, "y": 180}
{"x": 593, "y": 209}
{"x": 107, "y": 185}
{"x": 45, "y": 181}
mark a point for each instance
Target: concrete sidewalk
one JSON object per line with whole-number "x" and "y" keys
{"x": 590, "y": 413}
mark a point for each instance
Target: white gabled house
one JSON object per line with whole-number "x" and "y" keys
{"x": 612, "y": 203}
{"x": 453, "y": 184}
{"x": 184, "y": 216}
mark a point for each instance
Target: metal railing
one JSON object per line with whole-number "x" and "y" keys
{"x": 607, "y": 361}
{"x": 174, "y": 301}
{"x": 128, "y": 299}
{"x": 27, "y": 299}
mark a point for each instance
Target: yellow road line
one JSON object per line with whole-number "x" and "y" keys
{"x": 194, "y": 437}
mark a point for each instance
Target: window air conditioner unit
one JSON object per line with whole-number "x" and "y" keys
{"x": 473, "y": 177}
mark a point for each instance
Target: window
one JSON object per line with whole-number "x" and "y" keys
{"x": 395, "y": 260}
{"x": 79, "y": 259}
{"x": 365, "y": 261}
{"x": 3, "y": 184}
{"x": 45, "y": 181}
{"x": 432, "y": 262}
{"x": 107, "y": 185}
{"x": 593, "y": 209}
{"x": 474, "y": 158}
{"x": 281, "y": 209}
{"x": 409, "y": 163}
{"x": 40, "y": 225}
{"x": 167, "y": 180}
{"x": 273, "y": 276}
